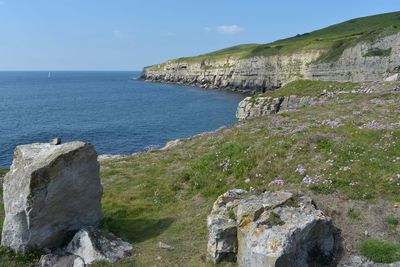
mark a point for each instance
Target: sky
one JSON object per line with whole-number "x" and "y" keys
{"x": 131, "y": 34}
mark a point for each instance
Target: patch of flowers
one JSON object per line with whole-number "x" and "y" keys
{"x": 277, "y": 181}
{"x": 374, "y": 125}
{"x": 308, "y": 180}
{"x": 344, "y": 168}
{"x": 378, "y": 101}
{"x": 330, "y": 162}
{"x": 300, "y": 169}
{"x": 332, "y": 123}
{"x": 395, "y": 124}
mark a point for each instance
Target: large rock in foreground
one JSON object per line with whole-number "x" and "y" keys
{"x": 50, "y": 192}
{"x": 269, "y": 229}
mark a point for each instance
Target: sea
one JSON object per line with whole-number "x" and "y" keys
{"x": 114, "y": 110}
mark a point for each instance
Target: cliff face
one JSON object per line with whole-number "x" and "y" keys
{"x": 365, "y": 61}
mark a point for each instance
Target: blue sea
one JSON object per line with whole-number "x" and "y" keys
{"x": 112, "y": 110}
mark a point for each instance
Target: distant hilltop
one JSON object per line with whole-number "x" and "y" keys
{"x": 358, "y": 50}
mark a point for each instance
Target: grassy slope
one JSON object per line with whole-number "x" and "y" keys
{"x": 333, "y": 39}
{"x": 166, "y": 195}
{"x": 310, "y": 88}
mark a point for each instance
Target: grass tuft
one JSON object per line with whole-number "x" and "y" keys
{"x": 391, "y": 220}
{"x": 380, "y": 251}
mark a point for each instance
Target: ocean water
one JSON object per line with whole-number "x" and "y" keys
{"x": 108, "y": 109}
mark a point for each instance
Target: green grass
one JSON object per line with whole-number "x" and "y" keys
{"x": 391, "y": 220}
{"x": 381, "y": 251}
{"x": 3, "y": 172}
{"x": 333, "y": 40}
{"x": 8, "y": 258}
{"x": 310, "y": 88}
{"x": 166, "y": 195}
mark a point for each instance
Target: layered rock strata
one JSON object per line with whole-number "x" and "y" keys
{"x": 263, "y": 73}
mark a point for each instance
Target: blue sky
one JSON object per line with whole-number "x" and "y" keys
{"x": 130, "y": 34}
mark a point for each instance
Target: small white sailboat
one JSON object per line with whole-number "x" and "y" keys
{"x": 49, "y": 75}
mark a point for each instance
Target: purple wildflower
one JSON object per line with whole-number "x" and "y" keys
{"x": 277, "y": 181}
{"x": 332, "y": 123}
{"x": 374, "y": 125}
{"x": 308, "y": 180}
{"x": 300, "y": 169}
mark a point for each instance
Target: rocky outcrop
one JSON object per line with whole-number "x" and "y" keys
{"x": 89, "y": 245}
{"x": 61, "y": 260}
{"x": 262, "y": 73}
{"x": 269, "y": 229}
{"x": 49, "y": 192}
{"x": 263, "y": 106}
{"x": 92, "y": 245}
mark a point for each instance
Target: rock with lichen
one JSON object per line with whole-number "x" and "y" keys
{"x": 269, "y": 229}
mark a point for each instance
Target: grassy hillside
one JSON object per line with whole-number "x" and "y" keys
{"x": 345, "y": 152}
{"x": 310, "y": 88}
{"x": 334, "y": 39}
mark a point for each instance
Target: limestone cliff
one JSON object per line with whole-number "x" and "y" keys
{"x": 357, "y": 63}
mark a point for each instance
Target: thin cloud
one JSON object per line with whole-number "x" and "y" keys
{"x": 229, "y": 29}
{"x": 119, "y": 34}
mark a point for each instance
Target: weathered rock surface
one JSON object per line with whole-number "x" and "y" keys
{"x": 262, "y": 106}
{"x": 49, "y": 192}
{"x": 92, "y": 245}
{"x": 269, "y": 229}
{"x": 261, "y": 73}
{"x": 61, "y": 260}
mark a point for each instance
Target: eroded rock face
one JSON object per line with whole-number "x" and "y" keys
{"x": 263, "y": 106}
{"x": 259, "y": 106}
{"x": 269, "y": 229}
{"x": 92, "y": 245}
{"x": 49, "y": 192}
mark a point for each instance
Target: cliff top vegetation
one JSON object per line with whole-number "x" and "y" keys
{"x": 333, "y": 40}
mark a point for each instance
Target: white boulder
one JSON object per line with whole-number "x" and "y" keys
{"x": 49, "y": 192}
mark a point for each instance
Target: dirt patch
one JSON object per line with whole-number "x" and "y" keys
{"x": 358, "y": 220}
